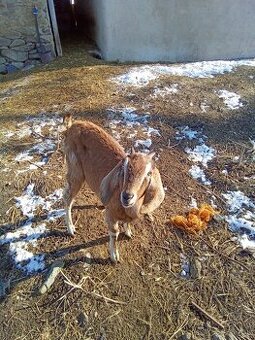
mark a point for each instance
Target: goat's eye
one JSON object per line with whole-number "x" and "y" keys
{"x": 149, "y": 174}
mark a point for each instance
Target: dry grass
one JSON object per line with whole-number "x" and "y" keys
{"x": 144, "y": 297}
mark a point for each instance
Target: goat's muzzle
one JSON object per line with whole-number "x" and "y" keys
{"x": 127, "y": 199}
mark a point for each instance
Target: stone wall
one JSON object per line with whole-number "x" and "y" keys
{"x": 19, "y": 44}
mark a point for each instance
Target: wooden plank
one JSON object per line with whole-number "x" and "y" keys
{"x": 54, "y": 27}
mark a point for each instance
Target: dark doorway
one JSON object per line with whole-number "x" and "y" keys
{"x": 74, "y": 20}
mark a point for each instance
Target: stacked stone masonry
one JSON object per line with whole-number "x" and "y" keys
{"x": 19, "y": 43}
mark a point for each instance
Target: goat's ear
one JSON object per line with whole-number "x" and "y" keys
{"x": 110, "y": 183}
{"x": 67, "y": 120}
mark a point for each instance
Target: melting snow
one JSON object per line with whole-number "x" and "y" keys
{"x": 201, "y": 153}
{"x": 128, "y": 123}
{"x": 45, "y": 131}
{"x": 22, "y": 240}
{"x": 187, "y": 133}
{"x": 231, "y": 99}
{"x": 141, "y": 76}
{"x": 242, "y": 218}
{"x": 198, "y": 173}
{"x": 23, "y": 157}
{"x": 236, "y": 201}
{"x": 145, "y": 144}
{"x": 29, "y": 202}
{"x": 19, "y": 241}
{"x": 165, "y": 91}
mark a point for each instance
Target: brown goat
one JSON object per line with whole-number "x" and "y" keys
{"x": 129, "y": 186}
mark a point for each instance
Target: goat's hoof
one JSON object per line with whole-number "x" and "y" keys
{"x": 127, "y": 230}
{"x": 114, "y": 256}
{"x": 128, "y": 233}
{"x": 71, "y": 230}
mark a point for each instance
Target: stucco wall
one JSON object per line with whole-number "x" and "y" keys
{"x": 175, "y": 30}
{"x": 94, "y": 20}
{"x": 18, "y": 40}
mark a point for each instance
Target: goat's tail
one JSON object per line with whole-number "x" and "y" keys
{"x": 68, "y": 120}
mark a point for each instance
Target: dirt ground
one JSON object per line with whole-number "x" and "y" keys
{"x": 144, "y": 296}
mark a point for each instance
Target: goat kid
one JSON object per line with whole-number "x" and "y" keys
{"x": 129, "y": 186}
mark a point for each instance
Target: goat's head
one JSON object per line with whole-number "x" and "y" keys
{"x": 137, "y": 170}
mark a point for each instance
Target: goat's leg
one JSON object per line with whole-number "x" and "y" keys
{"x": 73, "y": 186}
{"x": 127, "y": 230}
{"x": 113, "y": 227}
{"x": 68, "y": 198}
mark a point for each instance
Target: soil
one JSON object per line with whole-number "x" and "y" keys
{"x": 144, "y": 296}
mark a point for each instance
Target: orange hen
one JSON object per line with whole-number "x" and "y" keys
{"x": 196, "y": 219}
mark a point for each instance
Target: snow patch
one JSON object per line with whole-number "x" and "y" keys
{"x": 241, "y": 218}
{"x": 127, "y": 123}
{"x": 19, "y": 242}
{"x": 29, "y": 202}
{"x": 145, "y": 144}
{"x": 165, "y": 91}
{"x": 22, "y": 241}
{"x": 142, "y": 75}
{"x": 198, "y": 173}
{"x": 231, "y": 99}
{"x": 201, "y": 153}
{"x": 187, "y": 133}
{"x": 236, "y": 201}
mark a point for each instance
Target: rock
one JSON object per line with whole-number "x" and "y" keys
{"x": 46, "y": 30}
{"x": 3, "y": 69}
{"x": 82, "y": 319}
{"x": 2, "y": 60}
{"x": 5, "y": 42}
{"x": 18, "y": 65}
{"x": 87, "y": 260}
{"x": 195, "y": 268}
{"x": 34, "y": 55}
{"x": 35, "y": 62}
{"x": 10, "y": 68}
{"x": 15, "y": 55}
{"x": 28, "y": 67}
{"x": 14, "y": 36}
{"x": 51, "y": 276}
{"x": 25, "y": 48}
{"x": 18, "y": 42}
{"x": 4, "y": 287}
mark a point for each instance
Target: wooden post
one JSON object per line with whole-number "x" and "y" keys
{"x": 54, "y": 26}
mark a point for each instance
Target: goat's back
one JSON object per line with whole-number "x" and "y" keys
{"x": 89, "y": 146}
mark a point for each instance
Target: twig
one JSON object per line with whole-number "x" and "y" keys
{"x": 207, "y": 315}
{"x": 226, "y": 256}
{"x": 38, "y": 166}
{"x": 112, "y": 316}
{"x": 94, "y": 294}
{"x": 102, "y": 297}
{"x": 178, "y": 329}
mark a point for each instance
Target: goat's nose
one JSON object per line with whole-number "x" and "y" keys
{"x": 127, "y": 196}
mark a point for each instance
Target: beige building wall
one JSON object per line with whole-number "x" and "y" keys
{"x": 175, "y": 30}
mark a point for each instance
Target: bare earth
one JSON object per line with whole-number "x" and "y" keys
{"x": 143, "y": 297}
